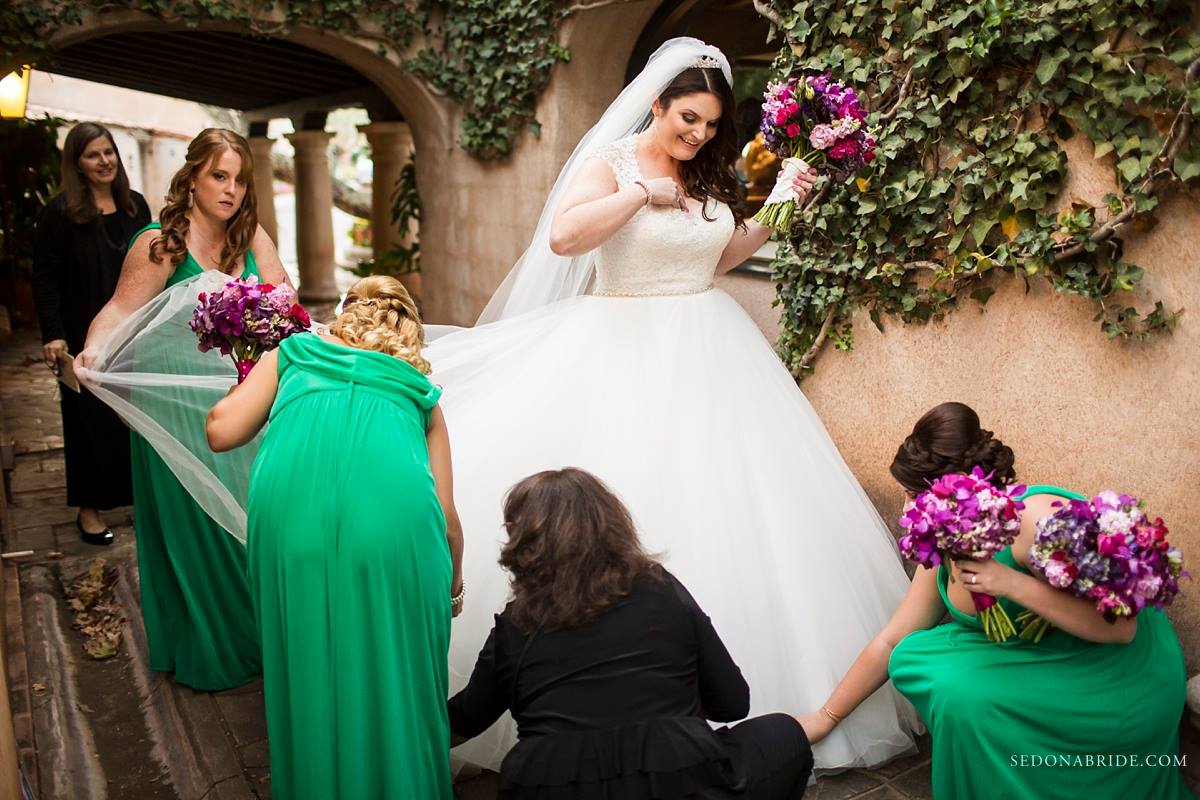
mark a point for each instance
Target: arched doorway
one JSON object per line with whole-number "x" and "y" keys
{"x": 299, "y": 74}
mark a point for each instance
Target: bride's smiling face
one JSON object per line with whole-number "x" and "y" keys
{"x": 686, "y": 123}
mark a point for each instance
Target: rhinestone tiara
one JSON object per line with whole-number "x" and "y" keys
{"x": 706, "y": 62}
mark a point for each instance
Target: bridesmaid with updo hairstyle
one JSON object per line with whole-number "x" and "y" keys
{"x": 1092, "y": 710}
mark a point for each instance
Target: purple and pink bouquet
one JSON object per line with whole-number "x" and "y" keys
{"x": 1105, "y": 550}
{"x": 247, "y": 318}
{"x": 965, "y": 516}
{"x": 820, "y": 121}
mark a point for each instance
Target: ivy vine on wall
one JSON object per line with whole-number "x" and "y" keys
{"x": 493, "y": 57}
{"x": 972, "y": 100}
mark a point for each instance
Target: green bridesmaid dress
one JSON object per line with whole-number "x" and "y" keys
{"x": 1021, "y": 720}
{"x": 351, "y": 573}
{"x": 195, "y": 593}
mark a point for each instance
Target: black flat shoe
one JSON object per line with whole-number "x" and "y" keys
{"x": 103, "y": 538}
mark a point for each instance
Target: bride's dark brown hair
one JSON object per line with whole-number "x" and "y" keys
{"x": 710, "y": 173}
{"x": 948, "y": 438}
{"x": 202, "y": 155}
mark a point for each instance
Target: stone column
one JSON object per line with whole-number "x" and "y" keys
{"x": 264, "y": 184}
{"x": 391, "y": 144}
{"x": 314, "y": 216}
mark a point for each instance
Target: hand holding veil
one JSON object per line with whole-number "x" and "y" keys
{"x": 151, "y": 373}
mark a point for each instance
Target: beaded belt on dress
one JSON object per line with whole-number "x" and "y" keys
{"x": 652, "y": 293}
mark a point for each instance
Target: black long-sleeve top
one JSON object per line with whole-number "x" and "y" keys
{"x": 76, "y": 267}
{"x": 652, "y": 655}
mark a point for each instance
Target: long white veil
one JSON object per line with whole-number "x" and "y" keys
{"x": 150, "y": 371}
{"x": 540, "y": 277}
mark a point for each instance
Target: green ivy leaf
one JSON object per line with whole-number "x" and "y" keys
{"x": 1129, "y": 168}
{"x": 1186, "y": 167}
{"x": 981, "y": 227}
{"x": 1049, "y": 65}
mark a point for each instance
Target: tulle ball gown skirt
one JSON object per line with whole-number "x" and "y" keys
{"x": 683, "y": 408}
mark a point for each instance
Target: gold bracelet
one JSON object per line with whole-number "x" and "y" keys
{"x": 835, "y": 717}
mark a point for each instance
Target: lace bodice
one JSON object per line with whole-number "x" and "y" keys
{"x": 661, "y": 250}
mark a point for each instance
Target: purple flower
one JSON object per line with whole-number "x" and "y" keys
{"x": 1124, "y": 560}
{"x": 246, "y": 318}
{"x": 962, "y": 516}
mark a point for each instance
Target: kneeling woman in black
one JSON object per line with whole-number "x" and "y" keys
{"x": 611, "y": 670}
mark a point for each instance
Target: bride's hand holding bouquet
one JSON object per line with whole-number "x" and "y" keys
{"x": 811, "y": 122}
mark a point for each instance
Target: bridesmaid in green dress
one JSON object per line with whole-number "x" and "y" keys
{"x": 355, "y": 553}
{"x": 1093, "y": 710}
{"x": 195, "y": 594}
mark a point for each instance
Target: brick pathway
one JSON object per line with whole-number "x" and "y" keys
{"x": 114, "y": 729}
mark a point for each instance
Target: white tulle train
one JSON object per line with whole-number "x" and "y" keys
{"x": 681, "y": 406}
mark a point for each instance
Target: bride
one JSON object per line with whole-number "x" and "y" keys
{"x": 608, "y": 348}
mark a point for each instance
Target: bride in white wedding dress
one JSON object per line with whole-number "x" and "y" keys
{"x": 609, "y": 349}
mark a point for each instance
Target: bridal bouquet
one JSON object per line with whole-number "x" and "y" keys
{"x": 1107, "y": 550}
{"x": 965, "y": 516}
{"x": 817, "y": 121}
{"x": 247, "y": 318}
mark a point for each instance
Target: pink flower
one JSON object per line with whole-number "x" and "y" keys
{"x": 793, "y": 130}
{"x": 1109, "y": 544}
{"x": 822, "y": 137}
{"x": 1060, "y": 573}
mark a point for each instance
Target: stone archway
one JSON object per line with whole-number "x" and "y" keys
{"x": 428, "y": 124}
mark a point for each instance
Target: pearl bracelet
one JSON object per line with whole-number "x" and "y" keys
{"x": 645, "y": 189}
{"x": 457, "y": 599}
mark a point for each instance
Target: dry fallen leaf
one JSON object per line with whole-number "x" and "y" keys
{"x": 96, "y": 614}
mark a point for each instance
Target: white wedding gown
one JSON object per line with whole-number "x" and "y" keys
{"x": 664, "y": 388}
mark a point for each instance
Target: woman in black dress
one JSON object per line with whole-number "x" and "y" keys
{"x": 81, "y": 241}
{"x": 611, "y": 670}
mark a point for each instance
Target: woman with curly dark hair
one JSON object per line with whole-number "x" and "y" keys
{"x": 611, "y": 669}
{"x": 195, "y": 596}
{"x": 1092, "y": 710}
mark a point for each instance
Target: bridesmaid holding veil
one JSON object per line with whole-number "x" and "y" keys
{"x": 195, "y": 598}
